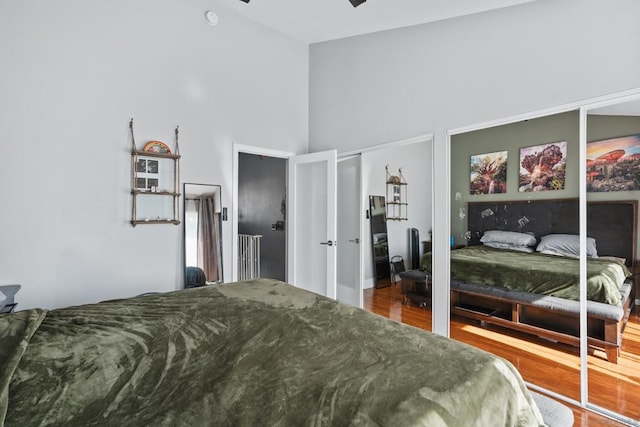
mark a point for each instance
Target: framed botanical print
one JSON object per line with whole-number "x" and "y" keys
{"x": 489, "y": 173}
{"x": 543, "y": 167}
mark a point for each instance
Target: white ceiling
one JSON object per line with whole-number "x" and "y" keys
{"x": 313, "y": 21}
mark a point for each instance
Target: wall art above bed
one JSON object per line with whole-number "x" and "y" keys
{"x": 542, "y": 167}
{"x": 489, "y": 173}
{"x": 614, "y": 164}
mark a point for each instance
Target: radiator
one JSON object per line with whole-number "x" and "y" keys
{"x": 248, "y": 256}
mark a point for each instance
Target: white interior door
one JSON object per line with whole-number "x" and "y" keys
{"x": 349, "y": 252}
{"x": 312, "y": 222}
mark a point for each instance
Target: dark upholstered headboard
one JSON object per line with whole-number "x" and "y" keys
{"x": 612, "y": 224}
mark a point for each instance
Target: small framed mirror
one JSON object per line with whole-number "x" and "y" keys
{"x": 202, "y": 234}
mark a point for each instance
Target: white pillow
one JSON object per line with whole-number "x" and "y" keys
{"x": 509, "y": 246}
{"x": 510, "y": 237}
{"x": 566, "y": 245}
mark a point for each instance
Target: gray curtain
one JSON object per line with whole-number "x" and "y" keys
{"x": 208, "y": 238}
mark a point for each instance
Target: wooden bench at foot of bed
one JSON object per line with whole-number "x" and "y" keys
{"x": 545, "y": 316}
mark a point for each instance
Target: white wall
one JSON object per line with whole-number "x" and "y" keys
{"x": 416, "y": 164}
{"x": 396, "y": 84}
{"x": 72, "y": 74}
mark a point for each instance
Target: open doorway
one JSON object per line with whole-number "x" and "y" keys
{"x": 261, "y": 210}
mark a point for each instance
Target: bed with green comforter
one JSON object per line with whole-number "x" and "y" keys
{"x": 251, "y": 353}
{"x": 537, "y": 273}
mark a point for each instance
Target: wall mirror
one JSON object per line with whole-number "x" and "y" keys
{"x": 379, "y": 243}
{"x": 202, "y": 238}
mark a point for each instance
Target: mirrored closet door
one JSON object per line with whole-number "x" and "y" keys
{"x": 612, "y": 180}
{"x": 512, "y": 185}
{"x": 563, "y": 201}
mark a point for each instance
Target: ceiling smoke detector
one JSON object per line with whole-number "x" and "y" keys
{"x": 212, "y": 17}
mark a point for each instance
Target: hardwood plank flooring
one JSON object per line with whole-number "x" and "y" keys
{"x": 551, "y": 365}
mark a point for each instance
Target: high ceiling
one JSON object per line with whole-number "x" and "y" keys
{"x": 313, "y": 21}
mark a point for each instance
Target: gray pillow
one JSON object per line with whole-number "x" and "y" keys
{"x": 566, "y": 245}
{"x": 509, "y": 237}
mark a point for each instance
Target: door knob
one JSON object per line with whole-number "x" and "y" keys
{"x": 328, "y": 243}
{"x": 356, "y": 240}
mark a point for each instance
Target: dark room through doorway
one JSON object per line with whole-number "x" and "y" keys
{"x": 262, "y": 186}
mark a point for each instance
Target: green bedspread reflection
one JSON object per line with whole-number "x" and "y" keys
{"x": 536, "y": 273}
{"x": 246, "y": 354}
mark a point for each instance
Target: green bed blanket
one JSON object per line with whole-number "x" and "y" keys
{"x": 536, "y": 273}
{"x": 251, "y": 353}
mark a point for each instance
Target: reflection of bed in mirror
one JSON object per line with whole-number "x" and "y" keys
{"x": 524, "y": 291}
{"x": 202, "y": 238}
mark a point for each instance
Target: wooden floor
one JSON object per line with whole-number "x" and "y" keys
{"x": 550, "y": 365}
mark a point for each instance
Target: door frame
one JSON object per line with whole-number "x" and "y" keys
{"x": 248, "y": 149}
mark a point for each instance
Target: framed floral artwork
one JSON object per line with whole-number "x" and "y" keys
{"x": 543, "y": 167}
